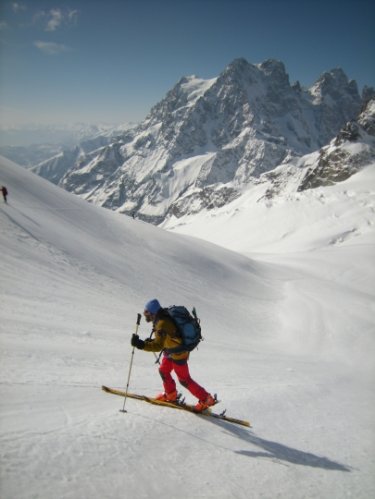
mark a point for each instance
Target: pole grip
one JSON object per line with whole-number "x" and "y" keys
{"x": 138, "y": 319}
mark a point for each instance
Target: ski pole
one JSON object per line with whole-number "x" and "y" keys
{"x": 131, "y": 364}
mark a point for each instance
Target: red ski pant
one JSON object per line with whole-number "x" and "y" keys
{"x": 181, "y": 369}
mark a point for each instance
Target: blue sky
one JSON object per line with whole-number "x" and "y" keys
{"x": 112, "y": 60}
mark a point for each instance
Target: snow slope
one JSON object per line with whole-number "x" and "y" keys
{"x": 289, "y": 344}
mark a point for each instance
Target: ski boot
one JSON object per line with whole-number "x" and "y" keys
{"x": 203, "y": 405}
{"x": 168, "y": 397}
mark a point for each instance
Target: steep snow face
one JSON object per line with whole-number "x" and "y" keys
{"x": 243, "y": 123}
{"x": 72, "y": 279}
{"x": 289, "y": 345}
{"x": 328, "y": 231}
{"x": 349, "y": 152}
{"x": 133, "y": 253}
{"x": 195, "y": 87}
{"x": 186, "y": 93}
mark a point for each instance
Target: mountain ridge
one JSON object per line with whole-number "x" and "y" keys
{"x": 208, "y": 140}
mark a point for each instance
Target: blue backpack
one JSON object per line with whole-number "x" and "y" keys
{"x": 188, "y": 327}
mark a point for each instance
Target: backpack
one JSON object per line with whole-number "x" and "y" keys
{"x": 188, "y": 327}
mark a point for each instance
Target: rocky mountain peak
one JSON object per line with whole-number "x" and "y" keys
{"x": 236, "y": 68}
{"x": 275, "y": 72}
{"x": 207, "y": 140}
{"x": 368, "y": 93}
{"x": 367, "y": 118}
{"x": 352, "y": 149}
{"x": 335, "y": 84}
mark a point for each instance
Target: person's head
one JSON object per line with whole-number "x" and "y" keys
{"x": 152, "y": 307}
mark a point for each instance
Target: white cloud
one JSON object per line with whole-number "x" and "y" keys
{"x": 73, "y": 15}
{"x": 51, "y": 48}
{"x": 55, "y": 18}
{"x": 17, "y": 7}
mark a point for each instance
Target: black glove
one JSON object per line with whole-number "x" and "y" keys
{"x": 137, "y": 342}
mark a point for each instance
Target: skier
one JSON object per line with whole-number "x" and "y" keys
{"x": 167, "y": 338}
{"x": 4, "y": 191}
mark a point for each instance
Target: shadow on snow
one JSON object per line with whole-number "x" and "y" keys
{"x": 274, "y": 450}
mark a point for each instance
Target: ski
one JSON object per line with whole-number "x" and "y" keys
{"x": 180, "y": 405}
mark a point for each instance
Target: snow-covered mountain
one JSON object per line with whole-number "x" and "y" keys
{"x": 34, "y": 144}
{"x": 351, "y": 150}
{"x": 68, "y": 134}
{"x": 240, "y": 223}
{"x": 30, "y": 155}
{"x": 207, "y": 140}
{"x": 288, "y": 321}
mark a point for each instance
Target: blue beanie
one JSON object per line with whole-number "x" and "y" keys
{"x": 153, "y": 306}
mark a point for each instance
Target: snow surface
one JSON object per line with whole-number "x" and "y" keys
{"x": 196, "y": 87}
{"x": 287, "y": 310}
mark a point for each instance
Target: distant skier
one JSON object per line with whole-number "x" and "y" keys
{"x": 4, "y": 191}
{"x": 166, "y": 340}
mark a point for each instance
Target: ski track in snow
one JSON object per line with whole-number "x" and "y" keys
{"x": 288, "y": 345}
